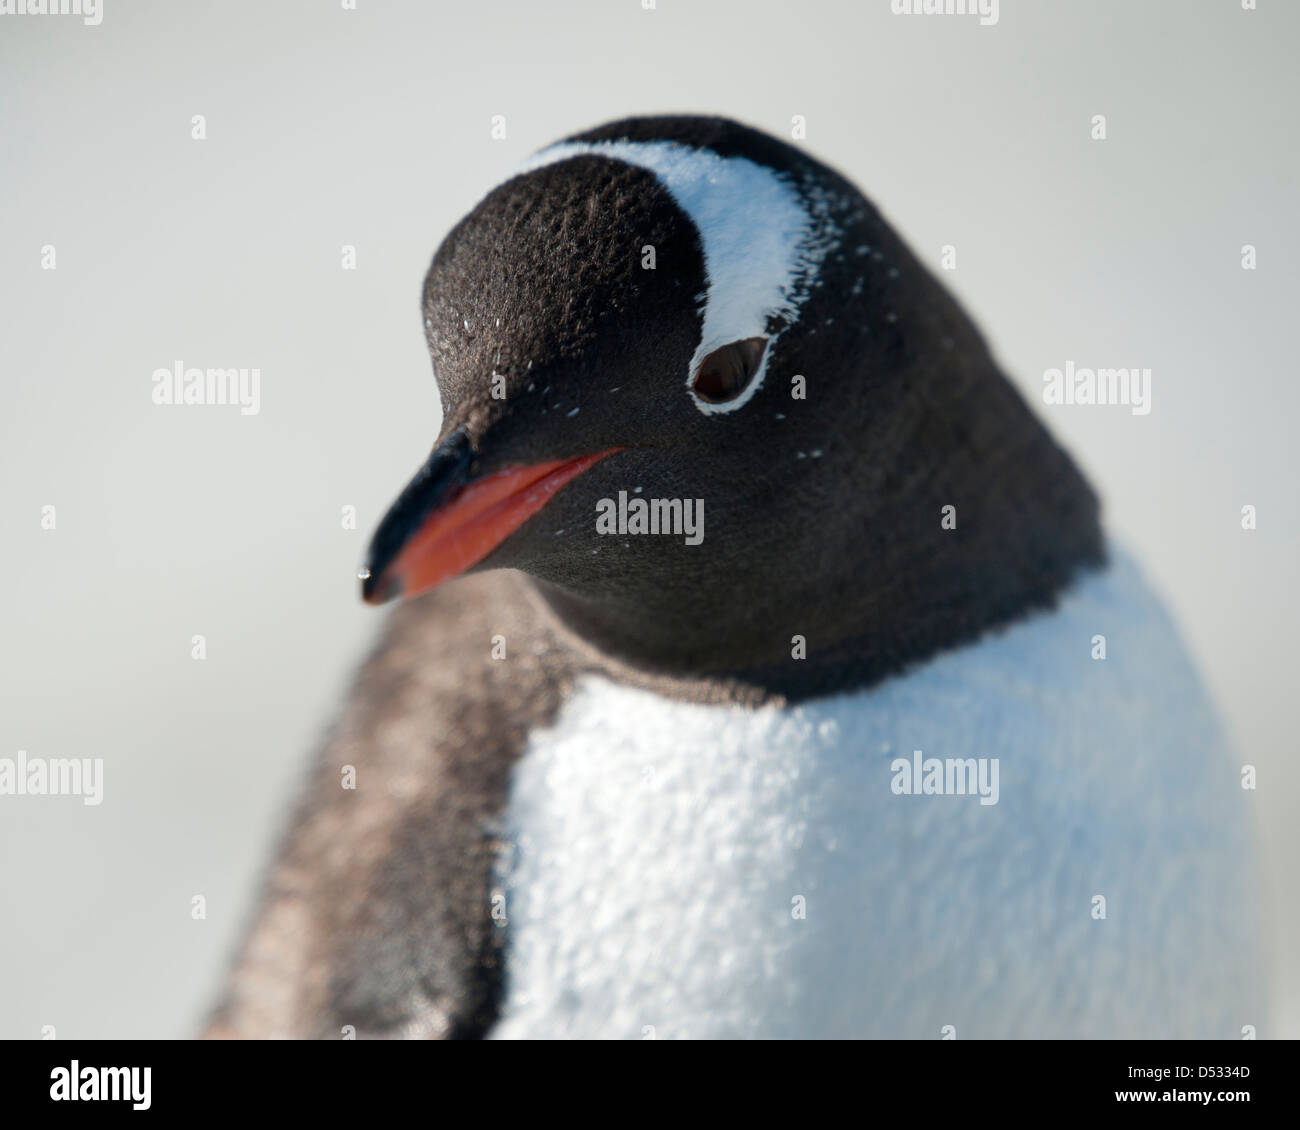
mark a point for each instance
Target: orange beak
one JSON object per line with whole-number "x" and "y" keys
{"x": 445, "y": 522}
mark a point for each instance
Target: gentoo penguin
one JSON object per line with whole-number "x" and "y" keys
{"x": 791, "y": 689}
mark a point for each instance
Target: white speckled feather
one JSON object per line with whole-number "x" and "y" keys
{"x": 660, "y": 846}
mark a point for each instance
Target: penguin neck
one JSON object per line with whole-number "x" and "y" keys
{"x": 940, "y": 507}
{"x": 980, "y": 520}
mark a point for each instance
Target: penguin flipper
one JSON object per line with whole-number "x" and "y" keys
{"x": 375, "y": 919}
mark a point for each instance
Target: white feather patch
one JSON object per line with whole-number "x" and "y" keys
{"x": 661, "y": 847}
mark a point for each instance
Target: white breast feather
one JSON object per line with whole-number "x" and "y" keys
{"x": 661, "y": 846}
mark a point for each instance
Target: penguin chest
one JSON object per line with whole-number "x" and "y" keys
{"x": 673, "y": 866}
{"x": 973, "y": 848}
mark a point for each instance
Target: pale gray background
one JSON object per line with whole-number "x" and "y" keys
{"x": 371, "y": 127}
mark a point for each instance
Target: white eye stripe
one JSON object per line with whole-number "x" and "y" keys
{"x": 761, "y": 244}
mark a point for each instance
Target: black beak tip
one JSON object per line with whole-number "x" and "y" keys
{"x": 444, "y": 472}
{"x": 376, "y": 588}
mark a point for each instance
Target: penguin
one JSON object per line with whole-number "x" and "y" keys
{"x": 760, "y": 668}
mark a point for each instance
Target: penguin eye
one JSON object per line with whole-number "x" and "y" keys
{"x": 725, "y": 372}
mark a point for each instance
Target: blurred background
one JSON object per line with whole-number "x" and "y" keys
{"x": 372, "y": 128}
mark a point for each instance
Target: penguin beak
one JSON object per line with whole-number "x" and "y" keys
{"x": 445, "y": 521}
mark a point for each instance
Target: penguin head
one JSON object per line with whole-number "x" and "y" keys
{"x": 633, "y": 312}
{"x": 682, "y": 311}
